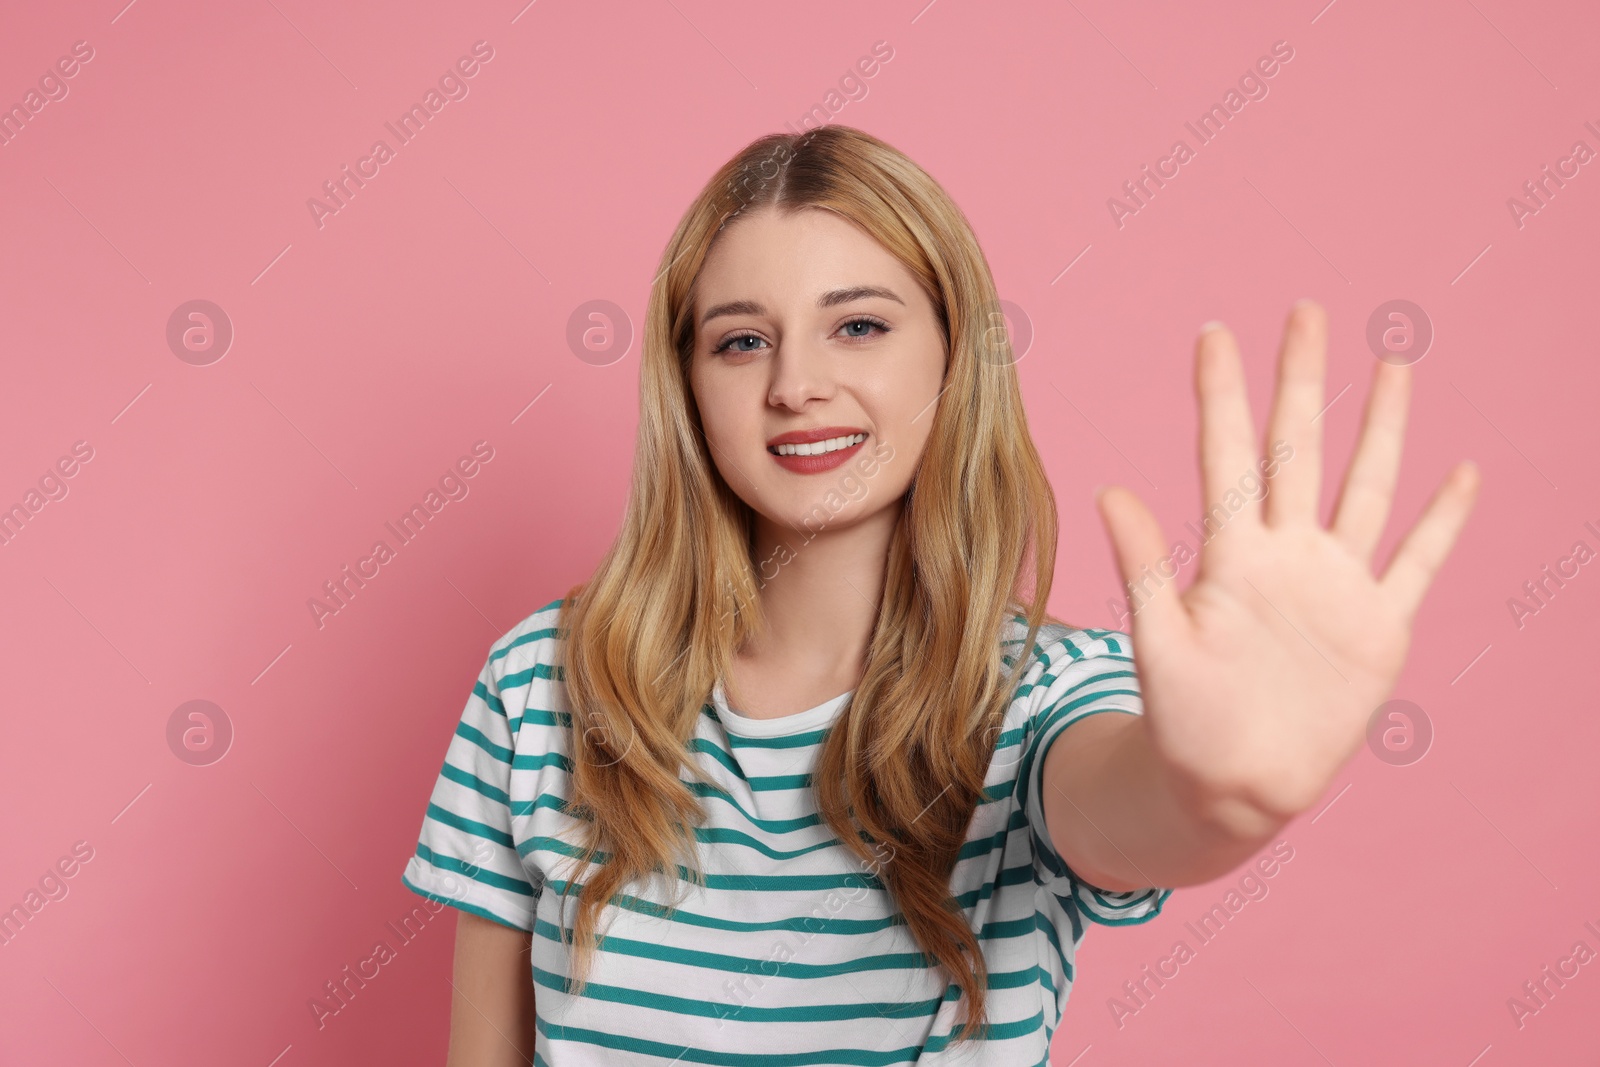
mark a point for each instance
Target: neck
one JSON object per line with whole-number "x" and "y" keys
{"x": 820, "y": 596}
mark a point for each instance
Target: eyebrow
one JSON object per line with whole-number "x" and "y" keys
{"x": 832, "y": 298}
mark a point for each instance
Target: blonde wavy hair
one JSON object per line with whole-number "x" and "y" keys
{"x": 646, "y": 637}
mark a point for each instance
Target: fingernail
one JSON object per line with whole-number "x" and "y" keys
{"x": 1212, "y": 325}
{"x": 1303, "y": 301}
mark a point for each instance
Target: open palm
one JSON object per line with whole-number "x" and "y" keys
{"x": 1258, "y": 679}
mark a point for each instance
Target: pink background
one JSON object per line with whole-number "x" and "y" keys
{"x": 433, "y": 309}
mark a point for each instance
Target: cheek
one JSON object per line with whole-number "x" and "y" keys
{"x": 730, "y": 421}
{"x": 897, "y": 447}
{"x": 714, "y": 404}
{"x": 906, "y": 410}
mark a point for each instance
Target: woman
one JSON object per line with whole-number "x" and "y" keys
{"x": 780, "y": 783}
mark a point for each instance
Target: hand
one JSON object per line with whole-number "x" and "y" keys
{"x": 1258, "y": 679}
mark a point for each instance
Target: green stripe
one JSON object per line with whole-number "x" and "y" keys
{"x": 546, "y": 800}
{"x": 1018, "y": 875}
{"x": 1106, "y": 920}
{"x": 473, "y": 871}
{"x": 801, "y": 740}
{"x": 756, "y": 883}
{"x": 482, "y": 692}
{"x": 532, "y": 635}
{"x": 471, "y": 733}
{"x": 994, "y": 930}
{"x": 798, "y": 923}
{"x": 542, "y": 671}
{"x": 720, "y": 961}
{"x": 680, "y": 1054}
{"x": 772, "y": 968}
{"x": 741, "y": 1012}
{"x": 541, "y": 760}
{"x": 981, "y": 846}
{"x": 973, "y": 849}
{"x": 473, "y": 782}
{"x": 471, "y": 826}
{"x": 856, "y": 1057}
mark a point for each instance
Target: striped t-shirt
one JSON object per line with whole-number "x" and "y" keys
{"x": 793, "y": 953}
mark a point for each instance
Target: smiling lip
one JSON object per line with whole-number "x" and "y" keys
{"x": 806, "y": 437}
{"x": 815, "y": 464}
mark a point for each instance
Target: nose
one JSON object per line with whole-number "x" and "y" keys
{"x": 800, "y": 373}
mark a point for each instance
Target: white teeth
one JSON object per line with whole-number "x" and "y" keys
{"x": 817, "y": 448}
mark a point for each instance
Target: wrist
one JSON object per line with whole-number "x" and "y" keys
{"x": 1223, "y": 810}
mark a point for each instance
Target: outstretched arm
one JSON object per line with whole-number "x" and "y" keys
{"x": 1259, "y": 678}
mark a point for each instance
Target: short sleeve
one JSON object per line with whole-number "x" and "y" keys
{"x": 1088, "y": 672}
{"x": 466, "y": 856}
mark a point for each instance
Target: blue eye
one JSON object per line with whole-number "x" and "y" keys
{"x": 860, "y": 320}
{"x": 733, "y": 340}
{"x": 867, "y": 321}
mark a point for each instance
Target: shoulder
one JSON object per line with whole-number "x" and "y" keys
{"x": 1058, "y": 646}
{"x": 1071, "y": 670}
{"x": 1063, "y": 646}
{"x": 529, "y": 648}
{"x": 523, "y": 670}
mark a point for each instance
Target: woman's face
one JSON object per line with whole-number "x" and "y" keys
{"x": 805, "y": 324}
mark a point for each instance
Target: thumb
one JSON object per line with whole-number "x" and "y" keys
{"x": 1136, "y": 540}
